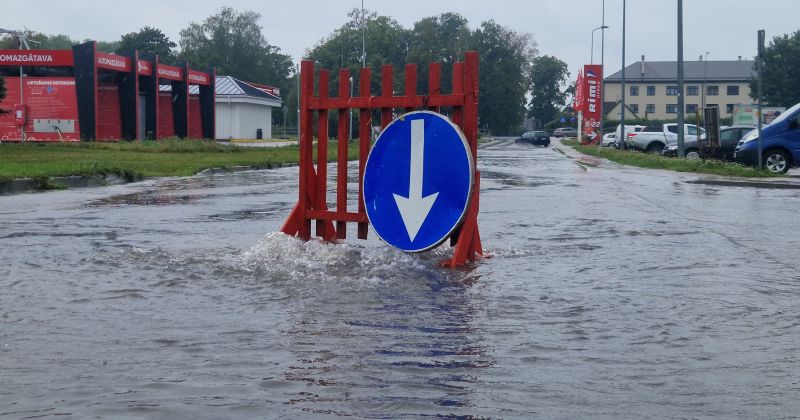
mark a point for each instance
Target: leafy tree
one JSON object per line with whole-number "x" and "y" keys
{"x": 547, "y": 75}
{"x": 780, "y": 80}
{"x": 505, "y": 62}
{"x": 40, "y": 41}
{"x": 385, "y": 40}
{"x": 106, "y": 46}
{"x": 149, "y": 41}
{"x": 442, "y": 38}
{"x": 233, "y": 42}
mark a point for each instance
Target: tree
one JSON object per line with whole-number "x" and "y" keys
{"x": 442, "y": 38}
{"x": 39, "y": 41}
{"x": 384, "y": 39}
{"x": 233, "y": 43}
{"x": 547, "y": 75}
{"x": 149, "y": 41}
{"x": 780, "y": 80}
{"x": 505, "y": 61}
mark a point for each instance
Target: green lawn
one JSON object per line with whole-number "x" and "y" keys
{"x": 164, "y": 158}
{"x": 654, "y": 161}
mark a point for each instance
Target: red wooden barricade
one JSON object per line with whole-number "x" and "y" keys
{"x": 312, "y": 203}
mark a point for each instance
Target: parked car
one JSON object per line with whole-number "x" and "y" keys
{"x": 540, "y": 138}
{"x": 653, "y": 139}
{"x": 780, "y": 143}
{"x": 565, "y": 132}
{"x": 628, "y": 129}
{"x": 695, "y": 149}
{"x": 610, "y": 140}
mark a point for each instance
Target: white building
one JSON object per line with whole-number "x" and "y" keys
{"x": 652, "y": 88}
{"x": 243, "y": 108}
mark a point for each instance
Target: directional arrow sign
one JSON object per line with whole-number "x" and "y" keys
{"x": 418, "y": 181}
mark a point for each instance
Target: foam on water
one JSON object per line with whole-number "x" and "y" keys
{"x": 284, "y": 256}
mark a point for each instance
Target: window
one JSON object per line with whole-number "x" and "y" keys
{"x": 692, "y": 130}
{"x": 672, "y": 91}
{"x": 692, "y": 90}
{"x": 651, "y": 91}
{"x": 650, "y": 109}
{"x": 634, "y": 90}
{"x": 691, "y": 108}
{"x": 634, "y": 108}
{"x": 712, "y": 90}
{"x": 672, "y": 108}
{"x": 729, "y": 108}
{"x": 673, "y": 129}
{"x": 733, "y": 90}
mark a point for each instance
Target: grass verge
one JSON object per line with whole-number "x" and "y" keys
{"x": 654, "y": 161}
{"x": 132, "y": 160}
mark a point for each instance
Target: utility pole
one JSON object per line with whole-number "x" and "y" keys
{"x": 623, "y": 141}
{"x": 603, "y": 69}
{"x": 363, "y": 37}
{"x": 681, "y": 144}
{"x": 298, "y": 103}
{"x": 760, "y": 70}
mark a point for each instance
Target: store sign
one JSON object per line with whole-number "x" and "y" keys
{"x": 170, "y": 72}
{"x": 592, "y": 85}
{"x": 198, "y": 78}
{"x": 50, "y": 58}
{"x": 144, "y": 68}
{"x": 113, "y": 62}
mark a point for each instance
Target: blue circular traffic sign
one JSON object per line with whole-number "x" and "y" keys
{"x": 418, "y": 181}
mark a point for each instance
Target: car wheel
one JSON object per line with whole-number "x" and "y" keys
{"x": 776, "y": 161}
{"x": 692, "y": 154}
{"x": 655, "y": 148}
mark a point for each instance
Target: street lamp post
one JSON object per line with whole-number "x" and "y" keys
{"x": 351, "y": 110}
{"x": 623, "y": 141}
{"x": 705, "y": 80}
{"x": 603, "y": 70}
{"x": 592, "y": 54}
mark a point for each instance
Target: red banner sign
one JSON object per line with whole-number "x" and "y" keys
{"x": 199, "y": 78}
{"x": 50, "y": 110}
{"x": 170, "y": 72}
{"x": 113, "y": 62}
{"x": 592, "y": 94}
{"x": 145, "y": 68}
{"x": 49, "y": 58}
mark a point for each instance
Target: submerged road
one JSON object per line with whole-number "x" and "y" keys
{"x": 611, "y": 292}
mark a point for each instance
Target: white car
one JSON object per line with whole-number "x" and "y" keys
{"x": 610, "y": 140}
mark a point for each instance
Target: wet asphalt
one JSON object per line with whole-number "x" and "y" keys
{"x": 610, "y": 292}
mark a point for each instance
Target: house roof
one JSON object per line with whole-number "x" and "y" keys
{"x": 231, "y": 86}
{"x": 696, "y": 71}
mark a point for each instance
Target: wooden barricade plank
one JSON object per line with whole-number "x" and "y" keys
{"x": 312, "y": 197}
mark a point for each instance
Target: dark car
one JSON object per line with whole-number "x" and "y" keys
{"x": 728, "y": 138}
{"x": 539, "y": 138}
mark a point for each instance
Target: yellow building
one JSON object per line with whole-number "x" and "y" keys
{"x": 651, "y": 88}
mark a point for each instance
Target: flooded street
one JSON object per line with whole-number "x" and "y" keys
{"x": 611, "y": 292}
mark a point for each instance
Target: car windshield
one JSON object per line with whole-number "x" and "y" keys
{"x": 786, "y": 114}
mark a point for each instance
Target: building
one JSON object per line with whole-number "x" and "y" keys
{"x": 243, "y": 108}
{"x": 652, "y": 88}
{"x": 85, "y": 94}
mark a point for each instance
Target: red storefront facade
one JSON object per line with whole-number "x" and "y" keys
{"x": 89, "y": 95}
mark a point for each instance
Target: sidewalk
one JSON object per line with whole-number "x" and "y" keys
{"x": 790, "y": 181}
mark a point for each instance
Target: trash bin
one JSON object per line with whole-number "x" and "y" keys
{"x": 259, "y": 134}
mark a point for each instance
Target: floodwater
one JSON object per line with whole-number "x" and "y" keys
{"x": 611, "y": 292}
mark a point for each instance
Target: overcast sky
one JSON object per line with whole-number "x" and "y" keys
{"x": 562, "y": 28}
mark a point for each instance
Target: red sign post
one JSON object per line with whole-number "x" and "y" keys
{"x": 591, "y": 95}
{"x": 312, "y": 204}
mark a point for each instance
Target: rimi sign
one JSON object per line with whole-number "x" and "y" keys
{"x": 592, "y": 95}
